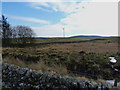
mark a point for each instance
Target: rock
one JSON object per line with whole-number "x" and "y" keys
{"x": 22, "y": 71}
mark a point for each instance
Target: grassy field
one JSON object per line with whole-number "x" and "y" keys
{"x": 59, "y": 40}
{"x": 94, "y": 47}
{"x": 87, "y": 58}
{"x": 109, "y": 45}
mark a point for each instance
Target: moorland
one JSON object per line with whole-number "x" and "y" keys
{"x": 83, "y": 58}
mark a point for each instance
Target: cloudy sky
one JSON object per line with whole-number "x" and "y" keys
{"x": 48, "y": 19}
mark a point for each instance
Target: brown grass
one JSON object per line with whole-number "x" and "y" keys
{"x": 40, "y": 65}
{"x": 92, "y": 47}
{"x": 15, "y": 62}
{"x": 95, "y": 47}
{"x": 60, "y": 69}
{"x": 101, "y": 81}
{"x": 82, "y": 78}
{"x": 59, "y": 40}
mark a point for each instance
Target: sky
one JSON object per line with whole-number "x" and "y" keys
{"x": 47, "y": 19}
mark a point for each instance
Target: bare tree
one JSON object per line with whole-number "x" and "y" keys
{"x": 25, "y": 34}
{"x": 16, "y": 34}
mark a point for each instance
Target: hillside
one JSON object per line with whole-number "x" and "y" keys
{"x": 78, "y": 36}
{"x": 86, "y": 36}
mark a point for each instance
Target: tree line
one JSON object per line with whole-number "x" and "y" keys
{"x": 15, "y": 34}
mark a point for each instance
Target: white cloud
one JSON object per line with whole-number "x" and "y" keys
{"x": 29, "y": 19}
{"x": 65, "y": 7}
{"x": 48, "y": 30}
{"x": 95, "y": 19}
{"x": 37, "y": 5}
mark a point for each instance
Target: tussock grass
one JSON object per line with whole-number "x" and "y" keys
{"x": 82, "y": 78}
{"x": 95, "y": 47}
{"x": 15, "y": 62}
{"x": 60, "y": 69}
{"x": 40, "y": 65}
{"x": 100, "y": 81}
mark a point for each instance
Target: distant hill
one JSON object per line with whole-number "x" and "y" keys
{"x": 85, "y": 36}
{"x": 79, "y": 36}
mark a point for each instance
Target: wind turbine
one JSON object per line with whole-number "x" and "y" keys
{"x": 63, "y": 32}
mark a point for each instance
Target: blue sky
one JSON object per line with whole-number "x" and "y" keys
{"x": 78, "y": 18}
{"x": 23, "y": 9}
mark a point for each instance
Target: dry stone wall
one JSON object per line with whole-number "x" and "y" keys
{"x": 15, "y": 77}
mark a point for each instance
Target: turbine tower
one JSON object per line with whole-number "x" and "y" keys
{"x": 63, "y": 32}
